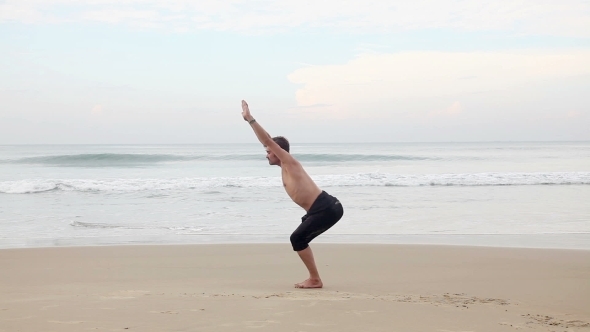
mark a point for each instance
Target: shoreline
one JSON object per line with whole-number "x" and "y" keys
{"x": 572, "y": 241}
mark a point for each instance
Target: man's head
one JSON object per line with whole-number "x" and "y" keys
{"x": 283, "y": 143}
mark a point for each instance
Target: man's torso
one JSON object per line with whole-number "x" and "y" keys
{"x": 299, "y": 185}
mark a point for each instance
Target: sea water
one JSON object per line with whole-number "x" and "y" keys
{"x": 534, "y": 194}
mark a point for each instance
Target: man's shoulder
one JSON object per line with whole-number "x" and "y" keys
{"x": 296, "y": 162}
{"x": 293, "y": 165}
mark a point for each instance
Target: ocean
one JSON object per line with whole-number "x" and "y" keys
{"x": 515, "y": 194}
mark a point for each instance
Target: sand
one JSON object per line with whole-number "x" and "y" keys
{"x": 250, "y": 288}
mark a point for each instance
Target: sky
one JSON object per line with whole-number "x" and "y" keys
{"x": 175, "y": 71}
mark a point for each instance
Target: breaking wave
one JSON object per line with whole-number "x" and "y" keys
{"x": 342, "y": 180}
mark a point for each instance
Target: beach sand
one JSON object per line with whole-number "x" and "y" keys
{"x": 250, "y": 288}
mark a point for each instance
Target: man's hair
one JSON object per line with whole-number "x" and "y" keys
{"x": 282, "y": 142}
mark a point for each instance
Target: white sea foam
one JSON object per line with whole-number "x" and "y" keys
{"x": 341, "y": 180}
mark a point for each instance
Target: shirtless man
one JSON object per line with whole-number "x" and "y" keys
{"x": 323, "y": 210}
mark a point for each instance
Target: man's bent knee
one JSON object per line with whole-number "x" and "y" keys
{"x": 298, "y": 242}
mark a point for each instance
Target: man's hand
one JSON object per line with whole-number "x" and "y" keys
{"x": 246, "y": 111}
{"x": 262, "y": 135}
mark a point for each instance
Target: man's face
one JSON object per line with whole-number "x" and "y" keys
{"x": 272, "y": 158}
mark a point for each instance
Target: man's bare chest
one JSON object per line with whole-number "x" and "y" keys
{"x": 288, "y": 179}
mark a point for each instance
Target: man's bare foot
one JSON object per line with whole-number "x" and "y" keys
{"x": 310, "y": 283}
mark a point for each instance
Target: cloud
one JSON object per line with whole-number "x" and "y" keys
{"x": 574, "y": 114}
{"x": 381, "y": 79}
{"x": 119, "y": 16}
{"x": 455, "y": 109}
{"x": 539, "y": 17}
{"x": 96, "y": 110}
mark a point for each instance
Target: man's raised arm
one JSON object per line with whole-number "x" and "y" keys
{"x": 263, "y": 136}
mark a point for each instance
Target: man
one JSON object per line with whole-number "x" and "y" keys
{"x": 323, "y": 210}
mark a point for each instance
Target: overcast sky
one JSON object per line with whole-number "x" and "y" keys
{"x": 175, "y": 71}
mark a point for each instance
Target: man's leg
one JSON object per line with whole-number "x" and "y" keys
{"x": 310, "y": 228}
{"x": 314, "y": 280}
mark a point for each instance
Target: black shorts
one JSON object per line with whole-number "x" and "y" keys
{"x": 323, "y": 214}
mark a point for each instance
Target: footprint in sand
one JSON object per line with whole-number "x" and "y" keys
{"x": 447, "y": 299}
{"x": 511, "y": 325}
{"x": 165, "y": 312}
{"x": 551, "y": 321}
